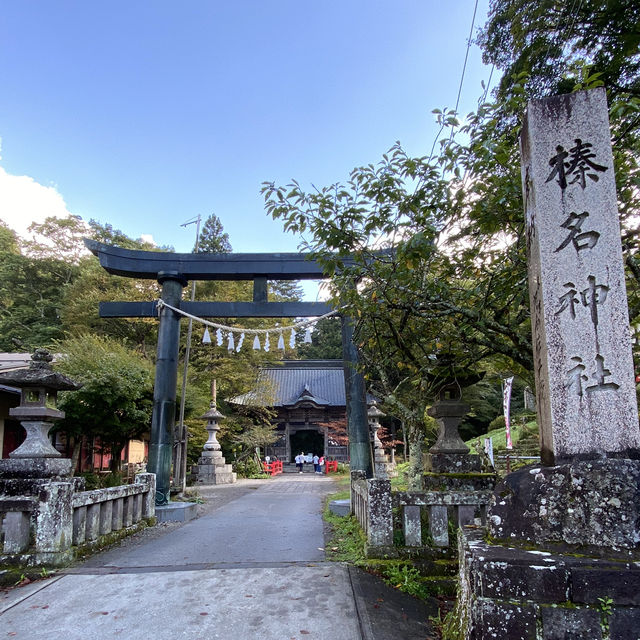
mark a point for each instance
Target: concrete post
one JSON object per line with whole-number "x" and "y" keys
{"x": 54, "y": 524}
{"x": 148, "y": 501}
{"x": 164, "y": 392}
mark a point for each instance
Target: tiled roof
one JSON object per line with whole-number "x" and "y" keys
{"x": 12, "y": 362}
{"x": 294, "y": 381}
{"x": 9, "y": 361}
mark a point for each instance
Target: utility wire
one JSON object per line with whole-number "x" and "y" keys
{"x": 466, "y": 58}
{"x": 464, "y": 69}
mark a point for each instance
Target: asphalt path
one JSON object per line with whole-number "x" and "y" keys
{"x": 250, "y": 566}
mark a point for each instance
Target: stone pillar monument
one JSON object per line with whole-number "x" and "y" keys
{"x": 212, "y": 468}
{"x": 565, "y": 538}
{"x": 585, "y": 387}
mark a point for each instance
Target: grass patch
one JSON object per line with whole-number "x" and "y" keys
{"x": 518, "y": 432}
{"x": 346, "y": 543}
{"x": 401, "y": 483}
{"x": 408, "y": 579}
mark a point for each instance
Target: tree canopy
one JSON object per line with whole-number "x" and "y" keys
{"x": 439, "y": 283}
{"x": 116, "y": 398}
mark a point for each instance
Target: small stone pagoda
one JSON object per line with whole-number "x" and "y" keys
{"x": 384, "y": 467}
{"x": 212, "y": 468}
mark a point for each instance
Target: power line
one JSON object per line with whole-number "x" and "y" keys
{"x": 464, "y": 68}
{"x": 466, "y": 58}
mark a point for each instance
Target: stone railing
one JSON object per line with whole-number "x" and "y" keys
{"x": 462, "y": 507}
{"x": 15, "y": 516}
{"x": 372, "y": 503}
{"x": 40, "y": 530}
{"x": 101, "y": 511}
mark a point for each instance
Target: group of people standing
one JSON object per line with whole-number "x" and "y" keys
{"x": 318, "y": 462}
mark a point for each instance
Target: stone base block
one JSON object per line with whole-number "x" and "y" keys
{"x": 176, "y": 512}
{"x": 212, "y": 457}
{"x": 453, "y": 463}
{"x": 385, "y": 469}
{"x": 591, "y": 504}
{"x": 213, "y": 469}
{"x": 207, "y": 474}
{"x": 508, "y": 593}
{"x": 459, "y": 481}
{"x": 32, "y": 468}
{"x": 340, "y": 507}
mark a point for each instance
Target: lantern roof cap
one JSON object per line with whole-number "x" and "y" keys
{"x": 39, "y": 374}
{"x": 374, "y": 412}
{"x": 212, "y": 413}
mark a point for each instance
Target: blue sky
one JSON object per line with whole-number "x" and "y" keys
{"x": 145, "y": 114}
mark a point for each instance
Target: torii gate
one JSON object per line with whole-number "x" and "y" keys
{"x": 173, "y": 271}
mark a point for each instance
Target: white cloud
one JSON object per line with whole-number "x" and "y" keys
{"x": 23, "y": 201}
{"x": 148, "y": 238}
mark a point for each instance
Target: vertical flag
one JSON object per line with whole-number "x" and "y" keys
{"x": 507, "y": 385}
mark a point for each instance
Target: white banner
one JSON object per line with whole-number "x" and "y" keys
{"x": 488, "y": 449}
{"x": 507, "y": 385}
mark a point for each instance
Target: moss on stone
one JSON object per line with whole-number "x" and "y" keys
{"x": 105, "y": 541}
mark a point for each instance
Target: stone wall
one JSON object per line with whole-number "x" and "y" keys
{"x": 530, "y": 594}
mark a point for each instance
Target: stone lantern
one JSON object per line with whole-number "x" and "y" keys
{"x": 450, "y": 453}
{"x": 213, "y": 416}
{"x": 37, "y": 412}
{"x": 212, "y": 468}
{"x": 383, "y": 468}
{"x": 374, "y": 414}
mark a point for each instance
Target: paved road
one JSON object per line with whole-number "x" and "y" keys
{"x": 251, "y": 566}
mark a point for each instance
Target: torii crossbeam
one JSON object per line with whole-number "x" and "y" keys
{"x": 173, "y": 271}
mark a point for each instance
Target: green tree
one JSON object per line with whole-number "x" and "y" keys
{"x": 116, "y": 399}
{"x": 451, "y": 293}
{"x": 546, "y": 38}
{"x": 213, "y": 238}
{"x": 31, "y": 300}
{"x": 549, "y": 46}
{"x": 326, "y": 341}
{"x": 60, "y": 238}
{"x": 33, "y": 282}
{"x": 8, "y": 239}
{"x": 79, "y": 313}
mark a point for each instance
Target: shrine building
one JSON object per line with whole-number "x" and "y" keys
{"x": 305, "y": 395}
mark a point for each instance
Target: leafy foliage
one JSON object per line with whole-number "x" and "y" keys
{"x": 117, "y": 395}
{"x": 31, "y": 293}
{"x": 326, "y": 341}
{"x": 437, "y": 284}
{"x": 547, "y": 38}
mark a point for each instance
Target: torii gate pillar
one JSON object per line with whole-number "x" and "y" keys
{"x": 164, "y": 390}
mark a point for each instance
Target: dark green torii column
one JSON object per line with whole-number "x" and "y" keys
{"x": 356, "y": 399}
{"x": 173, "y": 270}
{"x": 164, "y": 389}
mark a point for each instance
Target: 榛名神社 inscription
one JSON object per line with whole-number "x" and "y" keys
{"x": 581, "y": 337}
